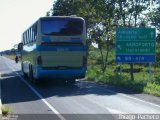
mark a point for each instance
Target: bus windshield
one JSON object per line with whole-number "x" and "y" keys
{"x": 62, "y": 27}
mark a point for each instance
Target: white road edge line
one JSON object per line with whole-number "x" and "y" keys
{"x": 112, "y": 91}
{"x": 111, "y": 110}
{"x": 114, "y": 111}
{"x": 146, "y": 102}
{"x": 119, "y": 113}
{"x": 134, "y": 98}
{"x": 39, "y": 95}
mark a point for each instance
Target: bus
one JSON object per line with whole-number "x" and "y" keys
{"x": 54, "y": 47}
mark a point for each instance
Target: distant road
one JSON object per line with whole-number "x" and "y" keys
{"x": 82, "y": 101}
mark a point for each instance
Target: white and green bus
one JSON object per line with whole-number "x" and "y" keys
{"x": 55, "y": 47}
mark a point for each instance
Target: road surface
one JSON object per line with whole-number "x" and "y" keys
{"x": 81, "y": 101}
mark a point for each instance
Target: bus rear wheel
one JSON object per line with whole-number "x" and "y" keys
{"x": 31, "y": 77}
{"x": 23, "y": 73}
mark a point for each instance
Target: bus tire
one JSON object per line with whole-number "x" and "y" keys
{"x": 23, "y": 73}
{"x": 31, "y": 77}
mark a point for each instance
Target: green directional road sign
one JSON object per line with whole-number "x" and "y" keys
{"x": 134, "y": 42}
{"x": 135, "y": 34}
{"x": 136, "y": 47}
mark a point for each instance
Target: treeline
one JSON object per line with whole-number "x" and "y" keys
{"x": 12, "y": 51}
{"x": 9, "y": 52}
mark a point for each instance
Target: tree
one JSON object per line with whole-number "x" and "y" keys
{"x": 65, "y": 7}
{"x": 132, "y": 13}
{"x": 154, "y": 17}
{"x": 103, "y": 30}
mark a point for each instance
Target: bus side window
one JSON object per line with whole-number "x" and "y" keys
{"x": 29, "y": 37}
{"x": 24, "y": 39}
{"x": 32, "y": 35}
{"x": 35, "y": 31}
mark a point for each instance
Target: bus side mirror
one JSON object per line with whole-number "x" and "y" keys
{"x": 20, "y": 47}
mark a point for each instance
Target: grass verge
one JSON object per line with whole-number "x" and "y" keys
{"x": 6, "y": 110}
{"x": 111, "y": 76}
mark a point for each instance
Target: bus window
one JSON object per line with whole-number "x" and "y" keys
{"x": 25, "y": 35}
{"x": 34, "y": 31}
{"x": 65, "y": 27}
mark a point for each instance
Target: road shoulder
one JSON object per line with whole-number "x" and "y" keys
{"x": 141, "y": 96}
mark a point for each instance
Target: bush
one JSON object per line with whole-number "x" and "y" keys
{"x": 157, "y": 80}
{"x": 5, "y": 110}
{"x": 113, "y": 78}
{"x": 152, "y": 88}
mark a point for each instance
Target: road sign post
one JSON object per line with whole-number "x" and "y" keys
{"x": 121, "y": 71}
{"x": 150, "y": 71}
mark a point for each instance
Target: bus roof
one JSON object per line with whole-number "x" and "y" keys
{"x": 50, "y": 17}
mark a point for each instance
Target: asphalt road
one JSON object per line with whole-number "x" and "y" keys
{"x": 82, "y": 101}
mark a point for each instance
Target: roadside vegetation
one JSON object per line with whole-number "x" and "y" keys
{"x": 111, "y": 76}
{"x": 6, "y": 110}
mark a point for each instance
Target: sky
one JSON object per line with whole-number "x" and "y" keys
{"x": 16, "y": 16}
